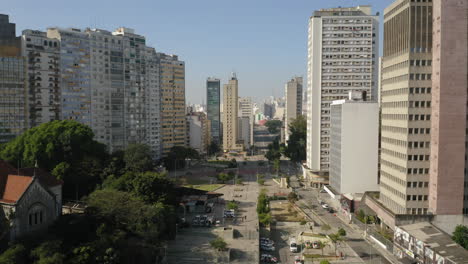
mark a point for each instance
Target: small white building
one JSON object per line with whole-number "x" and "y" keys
{"x": 354, "y": 132}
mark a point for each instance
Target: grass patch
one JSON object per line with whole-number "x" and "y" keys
{"x": 317, "y": 256}
{"x": 283, "y": 212}
{"x": 308, "y": 234}
{"x": 205, "y": 187}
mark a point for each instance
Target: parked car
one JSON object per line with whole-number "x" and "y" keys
{"x": 203, "y": 220}
{"x": 322, "y": 191}
{"x": 229, "y": 213}
{"x": 267, "y": 258}
{"x": 331, "y": 211}
{"x": 315, "y": 244}
{"x": 196, "y": 220}
{"x": 266, "y": 244}
{"x": 298, "y": 260}
{"x": 325, "y": 206}
{"x": 267, "y": 248}
{"x": 293, "y": 245}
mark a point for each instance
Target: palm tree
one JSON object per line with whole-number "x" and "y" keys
{"x": 322, "y": 245}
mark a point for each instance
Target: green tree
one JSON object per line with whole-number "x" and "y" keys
{"x": 122, "y": 211}
{"x": 138, "y": 158}
{"x": 15, "y": 254}
{"x": 262, "y": 203}
{"x": 265, "y": 219}
{"x": 273, "y": 152}
{"x": 52, "y": 143}
{"x": 296, "y": 147}
{"x": 213, "y": 148}
{"x": 153, "y": 187}
{"x": 273, "y": 126}
{"x": 335, "y": 239}
{"x": 460, "y": 236}
{"x": 292, "y": 197}
{"x": 49, "y": 252}
{"x": 322, "y": 245}
{"x": 67, "y": 149}
{"x": 218, "y": 244}
{"x": 324, "y": 261}
{"x": 341, "y": 232}
{"x": 177, "y": 156}
{"x": 224, "y": 177}
{"x": 232, "y": 205}
{"x": 276, "y": 165}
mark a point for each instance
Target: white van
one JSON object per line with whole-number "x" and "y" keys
{"x": 292, "y": 245}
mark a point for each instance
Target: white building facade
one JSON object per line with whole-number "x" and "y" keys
{"x": 354, "y": 132}
{"x": 342, "y": 57}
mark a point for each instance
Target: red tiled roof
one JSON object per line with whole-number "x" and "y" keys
{"x": 5, "y": 170}
{"x": 15, "y": 187}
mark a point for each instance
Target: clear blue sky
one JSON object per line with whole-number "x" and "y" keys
{"x": 264, "y": 41}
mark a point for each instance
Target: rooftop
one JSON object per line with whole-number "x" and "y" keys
{"x": 438, "y": 241}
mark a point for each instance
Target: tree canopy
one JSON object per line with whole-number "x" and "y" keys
{"x": 460, "y": 235}
{"x": 273, "y": 152}
{"x": 296, "y": 147}
{"x": 137, "y": 157}
{"x": 273, "y": 126}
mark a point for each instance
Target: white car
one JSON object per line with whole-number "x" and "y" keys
{"x": 325, "y": 206}
{"x": 293, "y": 245}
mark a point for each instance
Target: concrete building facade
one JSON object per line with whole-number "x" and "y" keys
{"x": 448, "y": 175}
{"x": 230, "y": 115}
{"x": 354, "y": 132}
{"x": 406, "y": 107}
{"x": 199, "y": 131}
{"x": 293, "y": 99}
{"x": 172, "y": 80}
{"x": 213, "y": 108}
{"x": 246, "y": 111}
{"x": 343, "y": 53}
{"x": 43, "y": 76}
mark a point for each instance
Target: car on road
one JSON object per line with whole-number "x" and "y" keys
{"x": 293, "y": 245}
{"x": 325, "y": 206}
{"x": 267, "y": 258}
{"x": 331, "y": 211}
{"x": 298, "y": 260}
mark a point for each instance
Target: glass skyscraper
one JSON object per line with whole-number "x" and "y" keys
{"x": 213, "y": 97}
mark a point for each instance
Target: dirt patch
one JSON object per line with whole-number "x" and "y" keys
{"x": 283, "y": 211}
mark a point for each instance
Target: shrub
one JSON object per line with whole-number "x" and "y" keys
{"x": 218, "y": 243}
{"x": 232, "y": 205}
{"x": 303, "y": 222}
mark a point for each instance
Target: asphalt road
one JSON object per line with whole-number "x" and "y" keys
{"x": 354, "y": 239}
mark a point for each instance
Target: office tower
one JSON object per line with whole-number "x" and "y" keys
{"x": 173, "y": 122}
{"x": 448, "y": 178}
{"x": 13, "y": 103}
{"x": 246, "y": 111}
{"x": 406, "y": 107}
{"x": 230, "y": 110}
{"x": 354, "y": 136}
{"x": 343, "y": 52}
{"x": 213, "y": 100}
{"x": 269, "y": 109}
{"x": 293, "y": 108}
{"x": 43, "y": 76}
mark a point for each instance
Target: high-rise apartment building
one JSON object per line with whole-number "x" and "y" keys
{"x": 230, "y": 114}
{"x": 343, "y": 53}
{"x": 173, "y": 122}
{"x": 198, "y": 127}
{"x": 448, "y": 174}
{"x": 43, "y": 76}
{"x": 213, "y": 101}
{"x": 406, "y": 107}
{"x": 13, "y": 93}
{"x": 293, "y": 108}
{"x": 246, "y": 112}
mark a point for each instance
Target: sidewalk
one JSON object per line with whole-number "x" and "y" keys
{"x": 386, "y": 254}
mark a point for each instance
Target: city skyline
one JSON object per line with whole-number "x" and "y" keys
{"x": 249, "y": 54}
